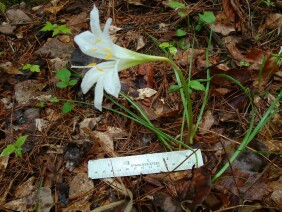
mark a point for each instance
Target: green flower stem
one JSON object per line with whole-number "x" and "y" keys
{"x": 188, "y": 99}
{"x": 205, "y": 99}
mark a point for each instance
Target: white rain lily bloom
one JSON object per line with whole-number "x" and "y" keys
{"x": 98, "y": 44}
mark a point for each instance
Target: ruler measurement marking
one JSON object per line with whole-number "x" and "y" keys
{"x": 143, "y": 164}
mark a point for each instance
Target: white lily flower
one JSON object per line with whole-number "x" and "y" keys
{"x": 98, "y": 44}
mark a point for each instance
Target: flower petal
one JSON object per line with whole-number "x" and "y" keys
{"x": 112, "y": 82}
{"x": 106, "y": 32}
{"x": 95, "y": 22}
{"x": 96, "y": 72}
{"x": 90, "y": 78}
{"x": 99, "y": 93}
{"x": 93, "y": 46}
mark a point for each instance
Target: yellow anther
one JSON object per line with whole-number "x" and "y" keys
{"x": 97, "y": 41}
{"x": 108, "y": 56}
{"x": 99, "y": 69}
{"x": 107, "y": 50}
{"x": 92, "y": 50}
{"x": 92, "y": 64}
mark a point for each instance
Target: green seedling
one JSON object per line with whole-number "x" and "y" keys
{"x": 64, "y": 75}
{"x": 2, "y": 53}
{"x": 278, "y": 58}
{"x": 32, "y": 68}
{"x": 67, "y": 107}
{"x": 177, "y": 5}
{"x": 56, "y": 28}
{"x": 205, "y": 18}
{"x": 244, "y": 63}
{"x": 169, "y": 46}
{"x": 16, "y": 147}
{"x": 54, "y": 100}
{"x": 180, "y": 33}
{"x": 41, "y": 104}
{"x": 182, "y": 44}
{"x": 192, "y": 84}
{"x": 258, "y": 37}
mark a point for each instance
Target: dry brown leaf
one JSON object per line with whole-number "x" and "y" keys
{"x": 25, "y": 188}
{"x": 64, "y": 38}
{"x": 9, "y": 68}
{"x": 134, "y": 2}
{"x": 221, "y": 91}
{"x": 31, "y": 89}
{"x": 54, "y": 10}
{"x": 80, "y": 187}
{"x": 229, "y": 10}
{"x": 121, "y": 188}
{"x": 145, "y": 93}
{"x": 206, "y": 122}
{"x": 273, "y": 21}
{"x": 28, "y": 203}
{"x": 140, "y": 42}
{"x": 3, "y": 165}
{"x": 276, "y": 195}
{"x": 222, "y": 24}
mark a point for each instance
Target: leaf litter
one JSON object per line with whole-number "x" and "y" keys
{"x": 52, "y": 174}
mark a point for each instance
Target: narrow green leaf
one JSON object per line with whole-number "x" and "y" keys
{"x": 8, "y": 150}
{"x": 67, "y": 107}
{"x": 21, "y": 141}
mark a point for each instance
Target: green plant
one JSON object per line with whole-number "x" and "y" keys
{"x": 64, "y": 75}
{"x": 32, "y": 68}
{"x": 40, "y": 104}
{"x": 244, "y": 63}
{"x": 56, "y": 28}
{"x": 192, "y": 84}
{"x": 177, "y": 5}
{"x": 180, "y": 32}
{"x": 67, "y": 107}
{"x": 278, "y": 57}
{"x": 169, "y": 46}
{"x": 16, "y": 147}
{"x": 205, "y": 18}
{"x": 2, "y": 7}
{"x": 2, "y": 53}
{"x": 268, "y": 3}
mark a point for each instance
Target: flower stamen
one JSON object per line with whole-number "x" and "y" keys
{"x": 97, "y": 41}
{"x": 92, "y": 50}
{"x": 99, "y": 69}
{"x": 92, "y": 64}
{"x": 108, "y": 56}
